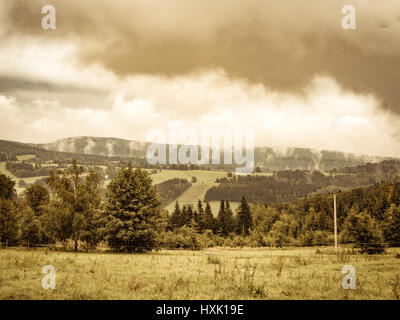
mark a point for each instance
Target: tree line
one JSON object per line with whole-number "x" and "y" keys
{"x": 70, "y": 210}
{"x": 289, "y": 185}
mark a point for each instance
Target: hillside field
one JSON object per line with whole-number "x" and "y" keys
{"x": 266, "y": 274}
{"x": 19, "y": 190}
{"x": 205, "y": 180}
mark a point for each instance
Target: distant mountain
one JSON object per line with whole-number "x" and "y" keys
{"x": 265, "y": 157}
{"x": 10, "y": 149}
{"x": 110, "y": 147}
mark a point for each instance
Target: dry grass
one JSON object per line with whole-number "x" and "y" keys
{"x": 209, "y": 274}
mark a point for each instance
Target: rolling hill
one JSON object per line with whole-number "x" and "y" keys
{"x": 267, "y": 158}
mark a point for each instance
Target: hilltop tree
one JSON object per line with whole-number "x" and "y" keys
{"x": 244, "y": 217}
{"x": 133, "y": 211}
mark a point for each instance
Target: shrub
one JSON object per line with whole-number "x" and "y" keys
{"x": 363, "y": 231}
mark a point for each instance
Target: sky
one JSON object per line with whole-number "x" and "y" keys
{"x": 286, "y": 69}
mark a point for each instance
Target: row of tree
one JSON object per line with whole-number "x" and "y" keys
{"x": 70, "y": 208}
{"x": 289, "y": 185}
{"x": 202, "y": 219}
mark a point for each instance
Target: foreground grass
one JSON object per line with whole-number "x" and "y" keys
{"x": 207, "y": 274}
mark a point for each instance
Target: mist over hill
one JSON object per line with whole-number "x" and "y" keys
{"x": 267, "y": 158}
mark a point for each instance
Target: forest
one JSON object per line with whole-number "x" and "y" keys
{"x": 289, "y": 185}
{"x": 71, "y": 211}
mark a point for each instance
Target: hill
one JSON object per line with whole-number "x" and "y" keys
{"x": 267, "y": 158}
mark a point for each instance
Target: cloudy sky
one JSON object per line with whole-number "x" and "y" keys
{"x": 286, "y": 69}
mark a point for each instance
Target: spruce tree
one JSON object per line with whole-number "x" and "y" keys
{"x": 229, "y": 221}
{"x": 221, "y": 218}
{"x": 199, "y": 216}
{"x": 209, "y": 220}
{"x": 189, "y": 215}
{"x": 244, "y": 217}
{"x": 391, "y": 225}
{"x": 133, "y": 211}
{"x": 176, "y": 218}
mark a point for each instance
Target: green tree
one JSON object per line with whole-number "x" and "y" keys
{"x": 133, "y": 211}
{"x": 189, "y": 215}
{"x": 244, "y": 217}
{"x": 263, "y": 218}
{"x": 209, "y": 220}
{"x": 7, "y": 187}
{"x": 363, "y": 231}
{"x": 74, "y": 209}
{"x": 391, "y": 225}
{"x": 225, "y": 218}
{"x": 36, "y": 196}
{"x": 199, "y": 216}
{"x": 29, "y": 228}
{"x": 176, "y": 218}
{"x": 8, "y": 222}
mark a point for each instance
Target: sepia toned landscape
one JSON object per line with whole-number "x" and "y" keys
{"x": 178, "y": 150}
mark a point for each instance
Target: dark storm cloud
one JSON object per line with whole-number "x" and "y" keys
{"x": 281, "y": 44}
{"x": 27, "y": 90}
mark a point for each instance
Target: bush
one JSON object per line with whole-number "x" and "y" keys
{"x": 183, "y": 238}
{"x": 363, "y": 231}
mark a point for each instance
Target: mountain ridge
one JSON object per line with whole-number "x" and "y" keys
{"x": 268, "y": 158}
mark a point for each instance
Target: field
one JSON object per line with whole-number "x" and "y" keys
{"x": 267, "y": 274}
{"x": 205, "y": 180}
{"x": 19, "y": 190}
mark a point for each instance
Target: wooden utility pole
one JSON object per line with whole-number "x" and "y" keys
{"x": 335, "y": 221}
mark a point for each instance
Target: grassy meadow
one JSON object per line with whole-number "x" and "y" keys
{"x": 266, "y": 274}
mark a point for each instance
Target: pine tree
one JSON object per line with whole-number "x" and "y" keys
{"x": 391, "y": 225}
{"x": 189, "y": 216}
{"x": 199, "y": 216}
{"x": 229, "y": 221}
{"x": 133, "y": 211}
{"x": 176, "y": 218}
{"x": 244, "y": 217}
{"x": 209, "y": 220}
{"x": 183, "y": 216}
{"x": 221, "y": 218}
{"x": 225, "y": 219}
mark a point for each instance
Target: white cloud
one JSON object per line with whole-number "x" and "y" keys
{"x": 325, "y": 117}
